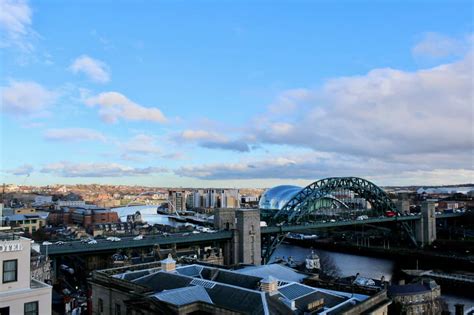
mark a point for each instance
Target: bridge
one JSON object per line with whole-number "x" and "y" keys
{"x": 327, "y": 203}
{"x": 105, "y": 246}
{"x": 326, "y": 225}
{"x": 466, "y": 281}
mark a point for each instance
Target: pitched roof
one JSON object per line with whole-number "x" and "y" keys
{"x": 183, "y": 296}
{"x": 161, "y": 281}
{"x": 191, "y": 271}
{"x": 275, "y": 270}
{"x": 295, "y": 290}
{"x": 240, "y": 300}
{"x": 234, "y": 278}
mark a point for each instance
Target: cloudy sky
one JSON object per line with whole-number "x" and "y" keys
{"x": 236, "y": 94}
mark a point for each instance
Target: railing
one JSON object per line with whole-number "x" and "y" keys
{"x": 465, "y": 278}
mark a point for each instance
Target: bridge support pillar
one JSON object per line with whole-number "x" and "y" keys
{"x": 248, "y": 226}
{"x": 245, "y": 246}
{"x": 224, "y": 219}
{"x": 426, "y": 226}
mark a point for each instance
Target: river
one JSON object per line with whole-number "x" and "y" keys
{"x": 369, "y": 267}
{"x": 148, "y": 213}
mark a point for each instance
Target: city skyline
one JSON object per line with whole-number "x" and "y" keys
{"x": 236, "y": 95}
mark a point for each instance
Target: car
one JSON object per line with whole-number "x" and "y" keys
{"x": 59, "y": 243}
{"x": 138, "y": 237}
{"x": 332, "y": 220}
{"x": 47, "y": 243}
{"x": 196, "y": 232}
{"x": 113, "y": 239}
{"x": 91, "y": 242}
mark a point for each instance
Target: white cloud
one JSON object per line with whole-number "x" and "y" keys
{"x": 200, "y": 135}
{"x": 437, "y": 45}
{"x": 138, "y": 147}
{"x": 74, "y": 134}
{"x": 212, "y": 140}
{"x": 386, "y": 112}
{"x": 15, "y": 24}
{"x": 114, "y": 106}
{"x": 393, "y": 126}
{"x": 25, "y": 169}
{"x": 68, "y": 169}
{"x": 317, "y": 165}
{"x": 25, "y": 98}
{"x": 306, "y": 165}
{"x": 95, "y": 69}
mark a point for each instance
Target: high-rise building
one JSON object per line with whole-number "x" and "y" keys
{"x": 177, "y": 198}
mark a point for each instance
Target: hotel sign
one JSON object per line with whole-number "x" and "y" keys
{"x": 10, "y": 247}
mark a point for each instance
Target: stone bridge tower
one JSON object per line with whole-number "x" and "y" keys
{"x": 245, "y": 246}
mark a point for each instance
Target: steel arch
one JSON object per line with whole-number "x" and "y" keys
{"x": 297, "y": 206}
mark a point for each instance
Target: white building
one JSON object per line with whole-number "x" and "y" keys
{"x": 19, "y": 293}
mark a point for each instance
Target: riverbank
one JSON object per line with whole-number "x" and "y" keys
{"x": 408, "y": 258}
{"x": 368, "y": 266}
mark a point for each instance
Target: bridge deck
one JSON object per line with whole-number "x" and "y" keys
{"x": 321, "y": 225}
{"x": 77, "y": 247}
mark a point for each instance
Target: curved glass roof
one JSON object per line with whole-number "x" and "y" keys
{"x": 277, "y": 197}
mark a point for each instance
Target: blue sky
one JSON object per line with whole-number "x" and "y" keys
{"x": 236, "y": 93}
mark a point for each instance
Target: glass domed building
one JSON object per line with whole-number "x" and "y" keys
{"x": 275, "y": 198}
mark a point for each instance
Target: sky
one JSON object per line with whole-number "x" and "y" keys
{"x": 236, "y": 93}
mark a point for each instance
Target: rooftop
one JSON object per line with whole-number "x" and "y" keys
{"x": 235, "y": 290}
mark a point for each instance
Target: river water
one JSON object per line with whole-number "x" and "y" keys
{"x": 349, "y": 265}
{"x": 148, "y": 213}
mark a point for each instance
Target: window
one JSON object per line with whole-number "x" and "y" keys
{"x": 33, "y": 229}
{"x": 117, "y": 309}
{"x": 33, "y": 221}
{"x": 27, "y": 221}
{"x": 101, "y": 305}
{"x": 31, "y": 308}
{"x": 5, "y": 310}
{"x": 10, "y": 270}
{"x": 27, "y": 229}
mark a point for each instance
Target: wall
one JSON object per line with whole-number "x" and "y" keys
{"x": 23, "y": 257}
{"x": 24, "y": 290}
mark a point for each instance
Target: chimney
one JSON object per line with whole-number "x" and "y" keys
{"x": 269, "y": 285}
{"x": 169, "y": 264}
